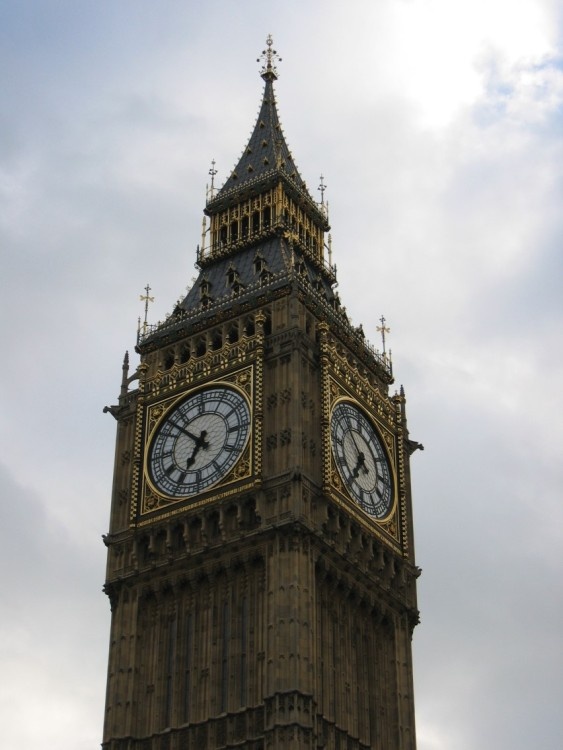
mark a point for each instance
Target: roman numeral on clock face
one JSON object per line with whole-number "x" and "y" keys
{"x": 198, "y": 442}
{"x": 361, "y": 459}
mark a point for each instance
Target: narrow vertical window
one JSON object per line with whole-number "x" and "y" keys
{"x": 255, "y": 222}
{"x": 187, "y": 666}
{"x": 225, "y": 658}
{"x": 243, "y": 647}
{"x": 169, "y": 676}
{"x": 335, "y": 674}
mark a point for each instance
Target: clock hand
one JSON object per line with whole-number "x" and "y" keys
{"x": 360, "y": 464}
{"x": 352, "y": 433}
{"x": 361, "y": 457}
{"x": 200, "y": 442}
{"x": 187, "y": 432}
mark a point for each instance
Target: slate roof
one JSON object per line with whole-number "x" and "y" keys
{"x": 266, "y": 157}
{"x": 243, "y": 267}
{"x": 267, "y": 266}
{"x": 251, "y": 268}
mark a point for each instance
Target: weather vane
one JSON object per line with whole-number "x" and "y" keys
{"x": 382, "y": 329}
{"x": 146, "y": 299}
{"x": 268, "y": 57}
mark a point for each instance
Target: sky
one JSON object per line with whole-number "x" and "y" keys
{"x": 438, "y": 128}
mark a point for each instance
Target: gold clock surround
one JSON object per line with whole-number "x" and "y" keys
{"x": 152, "y": 500}
{"x": 358, "y": 390}
{"x": 386, "y": 446}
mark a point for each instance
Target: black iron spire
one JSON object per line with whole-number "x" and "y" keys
{"x": 266, "y": 157}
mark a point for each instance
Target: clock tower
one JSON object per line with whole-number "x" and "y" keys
{"x": 260, "y": 565}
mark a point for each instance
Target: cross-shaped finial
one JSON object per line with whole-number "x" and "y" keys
{"x": 146, "y": 299}
{"x": 269, "y": 56}
{"x": 322, "y": 188}
{"x": 383, "y": 330}
{"x": 210, "y": 191}
{"x": 212, "y": 172}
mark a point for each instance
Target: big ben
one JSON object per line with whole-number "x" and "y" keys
{"x": 261, "y": 568}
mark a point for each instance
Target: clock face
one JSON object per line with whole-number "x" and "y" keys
{"x": 199, "y": 441}
{"x": 361, "y": 459}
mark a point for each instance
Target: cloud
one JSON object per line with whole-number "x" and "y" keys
{"x": 53, "y": 630}
{"x": 437, "y": 127}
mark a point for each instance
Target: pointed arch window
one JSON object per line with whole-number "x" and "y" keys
{"x": 255, "y": 222}
{"x": 232, "y": 275}
{"x": 205, "y": 297}
{"x": 260, "y": 264}
{"x": 204, "y": 287}
{"x": 234, "y": 231}
{"x": 233, "y": 335}
{"x": 217, "y": 340}
{"x": 169, "y": 360}
{"x": 245, "y": 224}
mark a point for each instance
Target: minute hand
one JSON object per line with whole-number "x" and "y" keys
{"x": 351, "y": 430}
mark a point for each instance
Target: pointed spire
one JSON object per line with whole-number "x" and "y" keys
{"x": 266, "y": 156}
{"x": 125, "y": 374}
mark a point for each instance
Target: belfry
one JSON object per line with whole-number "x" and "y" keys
{"x": 260, "y": 565}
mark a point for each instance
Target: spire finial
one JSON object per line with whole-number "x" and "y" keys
{"x": 212, "y": 173}
{"x": 269, "y": 56}
{"x": 322, "y": 188}
{"x": 146, "y": 299}
{"x": 383, "y": 330}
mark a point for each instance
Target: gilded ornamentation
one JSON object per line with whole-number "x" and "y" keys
{"x": 243, "y": 381}
{"x": 150, "y": 498}
{"x": 242, "y": 469}
{"x": 335, "y": 480}
{"x": 152, "y": 501}
{"x": 371, "y": 398}
{"x": 155, "y": 414}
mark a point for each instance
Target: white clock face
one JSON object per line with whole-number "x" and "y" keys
{"x": 361, "y": 459}
{"x": 199, "y": 442}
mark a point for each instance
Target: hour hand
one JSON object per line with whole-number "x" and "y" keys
{"x": 200, "y": 442}
{"x": 360, "y": 464}
{"x": 191, "y": 459}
